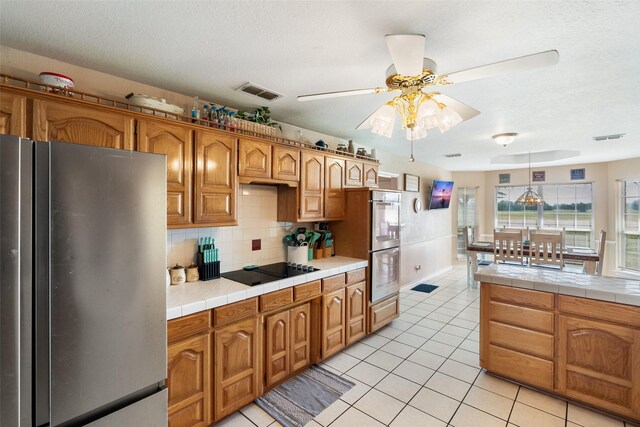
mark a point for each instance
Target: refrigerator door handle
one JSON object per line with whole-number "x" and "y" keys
{"x": 41, "y": 316}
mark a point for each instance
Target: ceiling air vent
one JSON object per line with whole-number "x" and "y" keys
{"x": 607, "y": 137}
{"x": 453, "y": 155}
{"x": 258, "y": 91}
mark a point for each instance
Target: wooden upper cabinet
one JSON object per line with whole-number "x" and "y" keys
{"x": 312, "y": 186}
{"x": 235, "y": 366}
{"x": 81, "y": 124}
{"x": 300, "y": 337}
{"x": 334, "y": 199}
{"x": 254, "y": 158}
{"x": 175, "y": 141}
{"x": 370, "y": 175}
{"x": 354, "y": 174}
{"x": 333, "y": 322}
{"x": 599, "y": 363}
{"x": 13, "y": 114}
{"x": 277, "y": 342}
{"x": 355, "y": 312}
{"x": 215, "y": 184}
{"x": 286, "y": 163}
{"x": 188, "y": 381}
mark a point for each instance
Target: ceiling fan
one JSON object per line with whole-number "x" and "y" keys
{"x": 414, "y": 76}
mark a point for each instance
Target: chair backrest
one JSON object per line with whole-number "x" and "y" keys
{"x": 601, "y": 246}
{"x": 546, "y": 249}
{"x": 507, "y": 246}
{"x": 468, "y": 236}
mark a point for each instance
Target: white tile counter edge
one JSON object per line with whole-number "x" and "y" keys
{"x": 611, "y": 289}
{"x": 190, "y": 298}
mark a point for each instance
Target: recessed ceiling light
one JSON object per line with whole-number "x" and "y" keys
{"x": 504, "y": 139}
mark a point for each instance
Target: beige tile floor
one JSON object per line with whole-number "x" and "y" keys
{"x": 423, "y": 370}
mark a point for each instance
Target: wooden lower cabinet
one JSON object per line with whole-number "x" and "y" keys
{"x": 599, "y": 364}
{"x": 355, "y": 312}
{"x": 236, "y": 372}
{"x": 333, "y": 322}
{"x": 287, "y": 343}
{"x": 383, "y": 312}
{"x": 188, "y": 381}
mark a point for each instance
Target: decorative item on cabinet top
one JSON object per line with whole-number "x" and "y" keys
{"x": 41, "y": 89}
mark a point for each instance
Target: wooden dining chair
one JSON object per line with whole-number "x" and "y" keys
{"x": 507, "y": 246}
{"x": 545, "y": 250}
{"x": 601, "y": 246}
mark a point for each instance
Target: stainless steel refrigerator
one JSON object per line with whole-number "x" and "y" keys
{"x": 83, "y": 295}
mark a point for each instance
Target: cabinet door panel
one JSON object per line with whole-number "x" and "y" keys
{"x": 255, "y": 158}
{"x": 13, "y": 114}
{"x": 235, "y": 366}
{"x": 286, "y": 163}
{"x": 370, "y": 175}
{"x": 354, "y": 174}
{"x": 176, "y": 143}
{"x": 188, "y": 381}
{"x": 333, "y": 322}
{"x": 356, "y": 303}
{"x": 81, "y": 124}
{"x": 599, "y": 363}
{"x": 277, "y": 344}
{"x": 300, "y": 337}
{"x": 312, "y": 186}
{"x": 334, "y": 198}
{"x": 215, "y": 179}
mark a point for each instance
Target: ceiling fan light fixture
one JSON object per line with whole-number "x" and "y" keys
{"x": 416, "y": 132}
{"x": 448, "y": 119}
{"x": 383, "y": 119}
{"x": 428, "y": 115}
{"x": 504, "y": 139}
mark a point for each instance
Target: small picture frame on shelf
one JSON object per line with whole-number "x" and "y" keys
{"x": 411, "y": 183}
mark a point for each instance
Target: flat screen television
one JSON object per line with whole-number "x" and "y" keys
{"x": 440, "y": 194}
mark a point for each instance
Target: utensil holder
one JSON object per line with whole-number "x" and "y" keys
{"x": 208, "y": 270}
{"x": 297, "y": 254}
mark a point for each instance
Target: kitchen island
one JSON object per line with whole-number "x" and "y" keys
{"x": 229, "y": 343}
{"x": 577, "y": 336}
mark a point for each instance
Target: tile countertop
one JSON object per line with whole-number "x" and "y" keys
{"x": 602, "y": 288}
{"x": 192, "y": 297}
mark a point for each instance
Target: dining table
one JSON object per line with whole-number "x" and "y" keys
{"x": 588, "y": 256}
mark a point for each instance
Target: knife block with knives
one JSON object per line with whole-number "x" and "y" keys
{"x": 207, "y": 257}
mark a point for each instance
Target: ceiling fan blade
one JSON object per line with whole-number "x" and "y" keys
{"x": 464, "y": 110}
{"x": 365, "y": 123}
{"x": 529, "y": 62}
{"x": 407, "y": 51}
{"x": 340, "y": 93}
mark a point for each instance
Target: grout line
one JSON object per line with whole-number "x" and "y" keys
{"x": 515, "y": 399}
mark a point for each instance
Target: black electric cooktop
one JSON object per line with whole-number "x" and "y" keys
{"x": 268, "y": 273}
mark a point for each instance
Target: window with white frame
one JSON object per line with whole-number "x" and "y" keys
{"x": 566, "y": 206}
{"x": 467, "y": 215}
{"x": 630, "y": 226}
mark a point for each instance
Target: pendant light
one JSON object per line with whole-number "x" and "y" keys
{"x": 530, "y": 197}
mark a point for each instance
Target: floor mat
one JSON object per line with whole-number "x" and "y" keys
{"x": 423, "y": 287}
{"x": 298, "y": 400}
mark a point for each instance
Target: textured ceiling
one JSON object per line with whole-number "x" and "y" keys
{"x": 299, "y": 47}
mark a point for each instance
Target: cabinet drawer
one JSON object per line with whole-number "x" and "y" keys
{"x": 276, "y": 299}
{"x": 334, "y": 282}
{"x": 524, "y": 297}
{"x": 521, "y": 316}
{"x": 524, "y": 340}
{"x": 188, "y": 326}
{"x": 618, "y": 313}
{"x": 236, "y": 311}
{"x": 307, "y": 291}
{"x": 356, "y": 276}
{"x": 522, "y": 367}
{"x": 384, "y": 312}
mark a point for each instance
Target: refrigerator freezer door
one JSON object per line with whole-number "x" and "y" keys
{"x": 385, "y": 273}
{"x": 149, "y": 412}
{"x": 107, "y": 229}
{"x": 15, "y": 272}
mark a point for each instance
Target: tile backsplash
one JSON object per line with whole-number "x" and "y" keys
{"x": 257, "y": 219}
